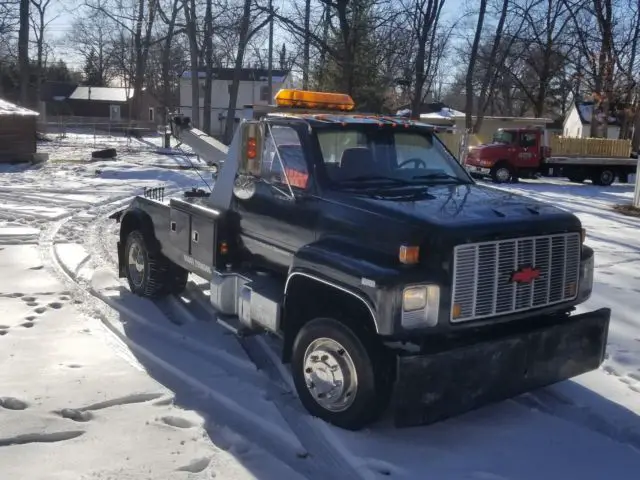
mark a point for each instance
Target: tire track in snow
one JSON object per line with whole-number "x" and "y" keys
{"x": 261, "y": 432}
{"x": 311, "y": 432}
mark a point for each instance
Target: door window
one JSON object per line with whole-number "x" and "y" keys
{"x": 528, "y": 140}
{"x": 284, "y": 162}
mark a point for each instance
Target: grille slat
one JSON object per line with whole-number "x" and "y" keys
{"x": 483, "y": 285}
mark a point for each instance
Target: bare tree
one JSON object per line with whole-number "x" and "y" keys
{"x": 23, "y": 52}
{"x": 135, "y": 18}
{"x": 39, "y": 24}
{"x": 245, "y": 33}
{"x": 191, "y": 20}
{"x": 472, "y": 63}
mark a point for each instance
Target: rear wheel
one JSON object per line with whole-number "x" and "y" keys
{"x": 339, "y": 376}
{"x": 151, "y": 274}
{"x": 502, "y": 173}
{"x": 604, "y": 177}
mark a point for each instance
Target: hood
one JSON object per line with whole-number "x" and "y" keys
{"x": 449, "y": 214}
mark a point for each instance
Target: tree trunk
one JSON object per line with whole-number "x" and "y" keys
{"x": 233, "y": 95}
{"x": 23, "y": 52}
{"x": 208, "y": 61}
{"x": 307, "y": 45}
{"x": 166, "y": 62}
{"x": 190, "y": 16}
{"x": 471, "y": 67}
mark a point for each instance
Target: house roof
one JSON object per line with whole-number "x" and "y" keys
{"x": 585, "y": 110}
{"x": 102, "y": 94}
{"x": 56, "y": 91}
{"x": 246, "y": 74}
{"x": 8, "y": 108}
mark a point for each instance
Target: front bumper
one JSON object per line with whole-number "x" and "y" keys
{"x": 473, "y": 169}
{"x": 432, "y": 387}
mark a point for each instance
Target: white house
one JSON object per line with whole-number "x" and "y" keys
{"x": 577, "y": 123}
{"x": 253, "y": 90}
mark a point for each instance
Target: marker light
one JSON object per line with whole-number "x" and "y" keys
{"x": 320, "y": 100}
{"x": 409, "y": 255}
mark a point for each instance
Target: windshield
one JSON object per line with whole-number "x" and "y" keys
{"x": 360, "y": 156}
{"x": 502, "y": 136}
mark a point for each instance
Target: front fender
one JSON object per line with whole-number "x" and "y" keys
{"x": 358, "y": 272}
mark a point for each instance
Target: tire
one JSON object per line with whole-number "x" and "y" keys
{"x": 336, "y": 345}
{"x": 502, "y": 173}
{"x": 151, "y": 275}
{"x": 604, "y": 177}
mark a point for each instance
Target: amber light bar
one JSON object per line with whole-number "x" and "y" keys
{"x": 314, "y": 100}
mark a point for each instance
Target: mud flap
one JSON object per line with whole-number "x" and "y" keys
{"x": 434, "y": 387}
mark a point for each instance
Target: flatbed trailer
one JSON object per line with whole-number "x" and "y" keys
{"x": 391, "y": 278}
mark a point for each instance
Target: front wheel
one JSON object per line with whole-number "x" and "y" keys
{"x": 501, "y": 173}
{"x": 337, "y": 374}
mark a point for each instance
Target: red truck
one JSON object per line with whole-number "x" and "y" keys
{"x": 523, "y": 152}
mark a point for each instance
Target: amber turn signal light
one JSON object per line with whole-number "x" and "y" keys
{"x": 409, "y": 255}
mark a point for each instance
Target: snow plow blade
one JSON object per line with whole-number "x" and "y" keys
{"x": 433, "y": 387}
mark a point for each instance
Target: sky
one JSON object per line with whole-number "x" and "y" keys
{"x": 62, "y": 13}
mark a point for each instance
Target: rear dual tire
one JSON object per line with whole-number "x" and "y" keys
{"x": 151, "y": 274}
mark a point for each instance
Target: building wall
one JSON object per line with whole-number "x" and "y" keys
{"x": 17, "y": 137}
{"x": 573, "y": 125}
{"x": 249, "y": 93}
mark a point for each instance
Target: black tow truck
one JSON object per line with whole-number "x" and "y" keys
{"x": 391, "y": 277}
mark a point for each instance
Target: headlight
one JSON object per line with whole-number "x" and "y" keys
{"x": 420, "y": 306}
{"x": 586, "y": 279}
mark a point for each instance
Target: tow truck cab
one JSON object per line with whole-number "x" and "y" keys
{"x": 389, "y": 274}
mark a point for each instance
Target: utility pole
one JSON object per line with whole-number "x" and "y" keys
{"x": 270, "y": 76}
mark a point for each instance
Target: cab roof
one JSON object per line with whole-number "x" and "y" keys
{"x": 333, "y": 118}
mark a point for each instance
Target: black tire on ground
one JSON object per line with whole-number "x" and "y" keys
{"x": 149, "y": 274}
{"x": 320, "y": 346}
{"x": 502, "y": 173}
{"x": 604, "y": 177}
{"x": 106, "y": 153}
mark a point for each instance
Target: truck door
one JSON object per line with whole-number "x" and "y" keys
{"x": 527, "y": 152}
{"x": 281, "y": 217}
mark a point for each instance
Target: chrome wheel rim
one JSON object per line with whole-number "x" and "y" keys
{"x": 136, "y": 264}
{"x": 503, "y": 174}
{"x": 330, "y": 374}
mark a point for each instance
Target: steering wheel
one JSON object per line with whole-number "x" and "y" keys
{"x": 418, "y": 163}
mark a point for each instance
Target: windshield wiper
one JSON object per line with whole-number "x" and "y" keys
{"x": 356, "y": 181}
{"x": 439, "y": 175}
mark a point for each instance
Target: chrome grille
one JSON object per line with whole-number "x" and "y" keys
{"x": 483, "y": 275}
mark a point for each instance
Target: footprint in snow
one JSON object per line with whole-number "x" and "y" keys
{"x": 12, "y": 403}
{"x": 3, "y": 332}
{"x": 28, "y": 299}
{"x": 75, "y": 414}
{"x": 196, "y": 466}
{"x": 55, "y": 305}
{"x": 40, "y": 310}
{"x": 28, "y": 324}
{"x": 178, "y": 422}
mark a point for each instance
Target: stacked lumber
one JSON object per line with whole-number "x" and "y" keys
{"x": 589, "y": 147}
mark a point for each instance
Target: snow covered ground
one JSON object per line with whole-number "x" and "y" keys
{"x": 98, "y": 383}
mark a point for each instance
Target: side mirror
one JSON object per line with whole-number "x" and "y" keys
{"x": 251, "y": 148}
